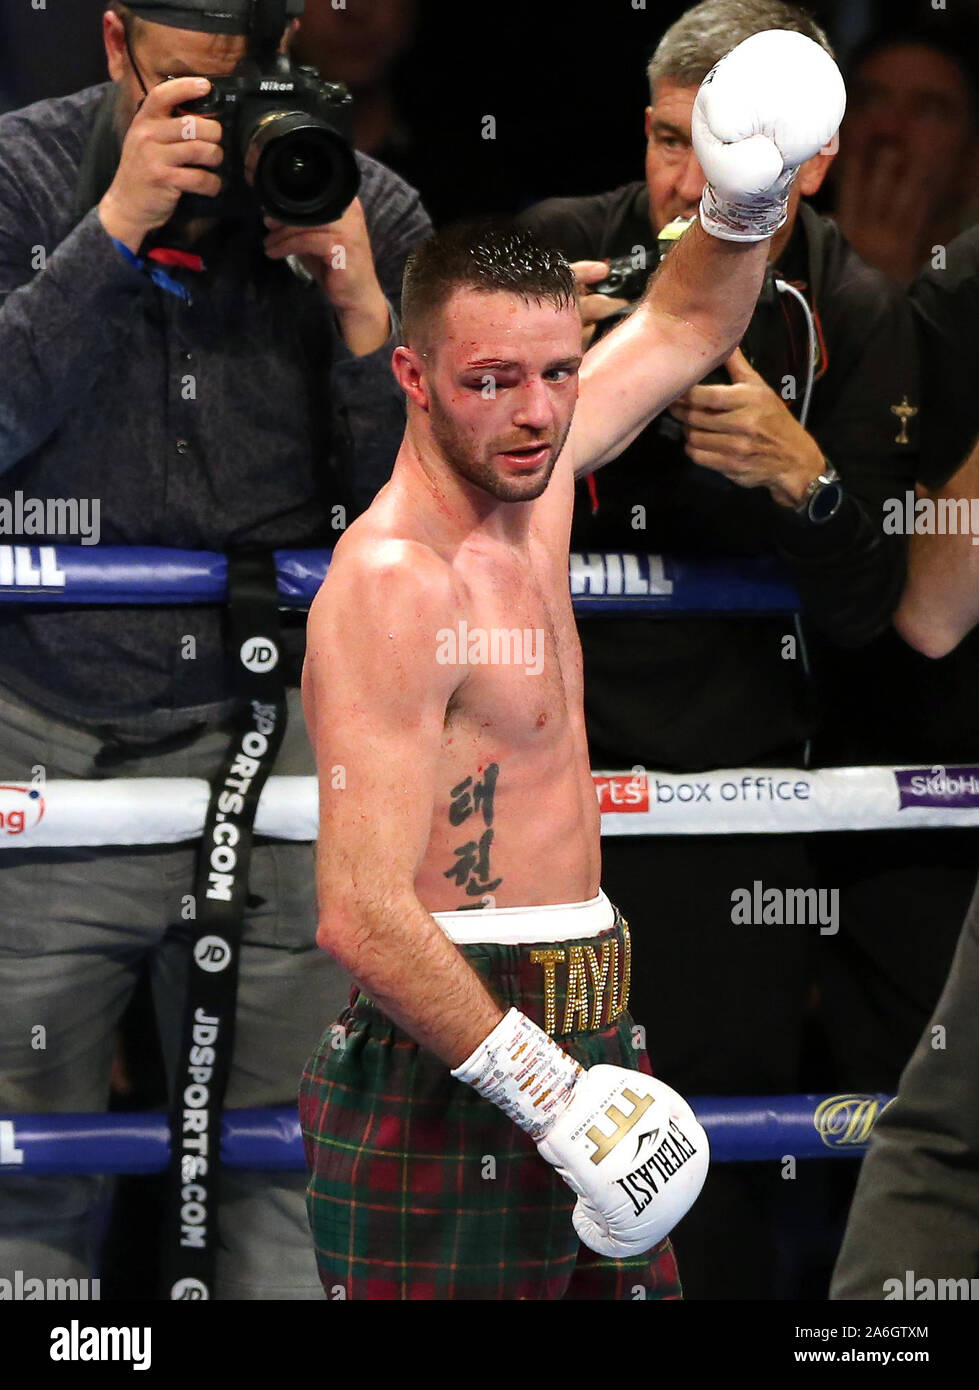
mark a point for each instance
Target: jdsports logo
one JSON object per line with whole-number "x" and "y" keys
{"x": 212, "y": 953}
{"x": 189, "y": 1288}
{"x": 259, "y": 654}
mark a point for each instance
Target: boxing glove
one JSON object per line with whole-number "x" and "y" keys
{"x": 772, "y": 103}
{"x": 626, "y": 1144}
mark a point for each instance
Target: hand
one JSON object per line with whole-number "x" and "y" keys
{"x": 629, "y": 1146}
{"x": 593, "y": 307}
{"x": 885, "y": 203}
{"x": 338, "y": 256}
{"x": 634, "y": 1152}
{"x": 747, "y": 432}
{"x": 158, "y": 163}
{"x": 773, "y": 102}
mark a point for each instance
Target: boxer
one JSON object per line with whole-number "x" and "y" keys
{"x": 483, "y": 1087}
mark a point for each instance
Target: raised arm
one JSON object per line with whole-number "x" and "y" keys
{"x": 940, "y": 604}
{"x": 375, "y": 700}
{"x": 695, "y": 310}
{"x": 773, "y": 102}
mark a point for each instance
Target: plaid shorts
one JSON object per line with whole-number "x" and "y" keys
{"x": 421, "y": 1189}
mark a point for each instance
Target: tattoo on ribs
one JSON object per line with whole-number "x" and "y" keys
{"x": 471, "y": 871}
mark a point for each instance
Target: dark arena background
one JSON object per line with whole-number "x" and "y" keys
{"x": 786, "y": 763}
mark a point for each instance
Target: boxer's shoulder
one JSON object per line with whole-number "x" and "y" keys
{"x": 380, "y": 571}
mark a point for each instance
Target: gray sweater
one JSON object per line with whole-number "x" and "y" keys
{"x": 239, "y": 418}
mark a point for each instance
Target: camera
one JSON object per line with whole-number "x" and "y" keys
{"x": 628, "y": 275}
{"x": 626, "y": 279}
{"x": 287, "y": 144}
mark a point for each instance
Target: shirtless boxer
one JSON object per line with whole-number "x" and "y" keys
{"x": 455, "y": 776}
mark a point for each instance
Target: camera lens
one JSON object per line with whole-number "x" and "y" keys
{"x": 298, "y": 168}
{"x": 303, "y": 171}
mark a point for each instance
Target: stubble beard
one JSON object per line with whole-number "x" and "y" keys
{"x": 481, "y": 470}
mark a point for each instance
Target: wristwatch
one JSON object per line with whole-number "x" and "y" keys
{"x": 823, "y": 497}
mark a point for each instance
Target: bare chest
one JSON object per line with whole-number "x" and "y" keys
{"x": 517, "y": 653}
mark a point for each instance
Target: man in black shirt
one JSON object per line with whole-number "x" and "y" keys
{"x": 736, "y": 472}
{"x": 915, "y": 1213}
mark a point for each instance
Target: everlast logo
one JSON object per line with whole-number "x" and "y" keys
{"x": 595, "y": 983}
{"x": 641, "y": 1184}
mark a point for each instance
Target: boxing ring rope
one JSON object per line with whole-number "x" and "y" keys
{"x": 612, "y": 582}
{"x": 758, "y": 801}
{"x": 740, "y": 1129}
{"x": 636, "y": 801}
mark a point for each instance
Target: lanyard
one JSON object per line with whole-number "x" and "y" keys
{"x": 220, "y": 893}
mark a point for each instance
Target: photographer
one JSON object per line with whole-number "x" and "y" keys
{"x": 217, "y": 379}
{"x": 735, "y": 471}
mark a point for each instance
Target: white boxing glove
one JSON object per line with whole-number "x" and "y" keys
{"x": 634, "y": 1152}
{"x": 764, "y": 109}
{"x": 624, "y": 1142}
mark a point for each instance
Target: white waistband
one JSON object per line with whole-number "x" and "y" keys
{"x": 517, "y": 926}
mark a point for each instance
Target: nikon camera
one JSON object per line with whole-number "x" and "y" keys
{"x": 287, "y": 144}
{"x": 628, "y": 275}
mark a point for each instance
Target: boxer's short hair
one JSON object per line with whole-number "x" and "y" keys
{"x": 704, "y": 35}
{"x": 487, "y": 257}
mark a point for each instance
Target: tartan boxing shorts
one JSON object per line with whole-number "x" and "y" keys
{"x": 421, "y": 1189}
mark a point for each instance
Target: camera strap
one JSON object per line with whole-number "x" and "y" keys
{"x": 100, "y": 158}
{"x": 220, "y": 897}
{"x": 268, "y": 22}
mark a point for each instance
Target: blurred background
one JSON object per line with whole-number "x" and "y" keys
{"x": 566, "y": 96}
{"x": 562, "y": 101}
